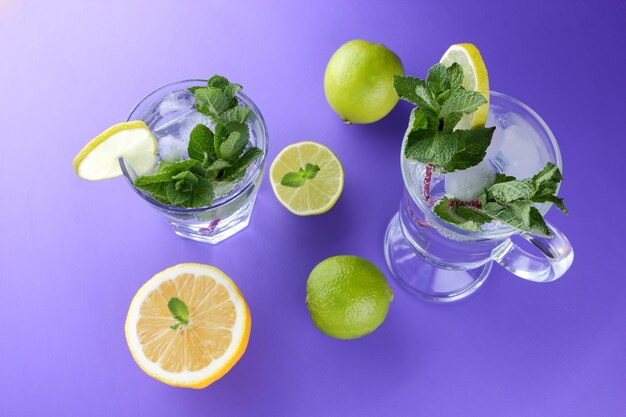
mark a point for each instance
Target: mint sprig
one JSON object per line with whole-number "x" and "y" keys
{"x": 441, "y": 102}
{"x": 432, "y": 138}
{"x": 217, "y": 158}
{"x": 179, "y": 311}
{"x": 298, "y": 178}
{"x": 509, "y": 201}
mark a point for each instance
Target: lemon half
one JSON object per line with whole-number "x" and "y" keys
{"x": 201, "y": 351}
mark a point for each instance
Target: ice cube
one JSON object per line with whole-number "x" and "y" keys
{"x": 175, "y": 102}
{"x": 469, "y": 183}
{"x": 172, "y": 149}
{"x": 522, "y": 152}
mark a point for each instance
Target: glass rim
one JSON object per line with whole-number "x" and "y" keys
{"x": 249, "y": 179}
{"x": 503, "y": 230}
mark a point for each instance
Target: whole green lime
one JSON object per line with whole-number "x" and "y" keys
{"x": 347, "y": 296}
{"x": 359, "y": 81}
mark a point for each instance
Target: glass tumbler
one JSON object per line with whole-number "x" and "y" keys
{"x": 168, "y": 111}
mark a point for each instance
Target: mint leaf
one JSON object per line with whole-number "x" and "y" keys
{"x": 154, "y": 185}
{"x": 202, "y": 194}
{"x": 179, "y": 311}
{"x": 310, "y": 171}
{"x": 211, "y": 101}
{"x": 147, "y": 180}
{"x": 521, "y": 215}
{"x": 180, "y": 166}
{"x": 450, "y": 151}
{"x": 293, "y": 179}
{"x": 538, "y": 189}
{"x": 200, "y": 145}
{"x": 470, "y": 147}
{"x": 233, "y": 146}
{"x": 184, "y": 181}
{"x": 218, "y": 81}
{"x": 548, "y": 179}
{"x": 414, "y": 91}
{"x": 231, "y": 90}
{"x": 462, "y": 101}
{"x": 468, "y": 218}
{"x": 505, "y": 192}
{"x": 161, "y": 197}
{"x": 406, "y": 87}
{"x": 176, "y": 197}
{"x": 237, "y": 114}
{"x": 418, "y": 120}
{"x": 455, "y": 76}
{"x": 437, "y": 80}
{"x": 299, "y": 178}
{"x": 558, "y": 202}
{"x": 238, "y": 169}
{"x": 426, "y": 146}
{"x": 157, "y": 183}
{"x": 218, "y": 165}
{"x": 180, "y": 189}
{"x": 227, "y": 88}
{"x": 218, "y": 136}
{"x": 177, "y": 184}
{"x": 427, "y": 101}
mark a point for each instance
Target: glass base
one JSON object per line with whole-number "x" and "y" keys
{"x": 419, "y": 277}
{"x": 207, "y": 237}
{"x": 214, "y": 225}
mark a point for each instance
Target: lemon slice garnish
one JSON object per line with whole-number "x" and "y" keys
{"x": 474, "y": 79}
{"x": 133, "y": 141}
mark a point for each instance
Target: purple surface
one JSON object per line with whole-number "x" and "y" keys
{"x": 74, "y": 253}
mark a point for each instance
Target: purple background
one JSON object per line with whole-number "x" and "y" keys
{"x": 74, "y": 253}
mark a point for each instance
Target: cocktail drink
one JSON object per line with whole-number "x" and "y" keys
{"x": 439, "y": 261}
{"x": 170, "y": 114}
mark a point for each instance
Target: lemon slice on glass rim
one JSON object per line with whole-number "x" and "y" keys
{"x": 475, "y": 78}
{"x": 133, "y": 141}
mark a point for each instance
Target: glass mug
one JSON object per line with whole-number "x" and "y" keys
{"x": 441, "y": 262}
{"x": 169, "y": 111}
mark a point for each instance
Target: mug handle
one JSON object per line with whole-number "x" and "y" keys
{"x": 558, "y": 256}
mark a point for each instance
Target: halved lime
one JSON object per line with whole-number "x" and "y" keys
{"x": 316, "y": 195}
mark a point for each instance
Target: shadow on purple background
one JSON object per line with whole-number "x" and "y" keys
{"x": 74, "y": 253}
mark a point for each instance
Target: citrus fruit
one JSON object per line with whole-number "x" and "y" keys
{"x": 347, "y": 297}
{"x": 188, "y": 325}
{"x": 474, "y": 78}
{"x": 133, "y": 141}
{"x": 359, "y": 81}
{"x": 315, "y": 195}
